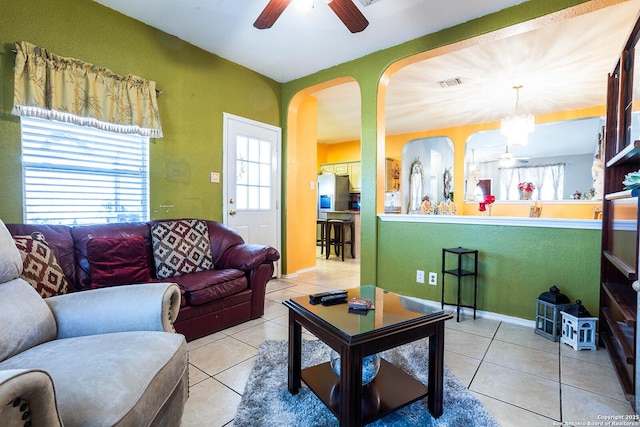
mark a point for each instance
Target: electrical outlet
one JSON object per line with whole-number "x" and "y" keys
{"x": 433, "y": 278}
{"x": 419, "y": 276}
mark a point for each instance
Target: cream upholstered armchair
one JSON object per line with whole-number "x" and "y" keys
{"x": 105, "y": 357}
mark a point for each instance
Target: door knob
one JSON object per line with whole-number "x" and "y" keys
{"x": 232, "y": 212}
{"x": 231, "y": 201}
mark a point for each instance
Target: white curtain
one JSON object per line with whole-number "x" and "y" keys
{"x": 557, "y": 177}
{"x": 548, "y": 181}
{"x": 507, "y": 176}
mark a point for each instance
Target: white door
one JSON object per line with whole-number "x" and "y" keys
{"x": 251, "y": 190}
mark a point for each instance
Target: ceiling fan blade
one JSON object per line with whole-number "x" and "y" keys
{"x": 271, "y": 13}
{"x": 349, "y": 14}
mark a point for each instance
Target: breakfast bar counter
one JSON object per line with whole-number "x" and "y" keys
{"x": 580, "y": 224}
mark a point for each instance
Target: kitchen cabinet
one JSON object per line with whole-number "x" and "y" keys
{"x": 350, "y": 169}
{"x": 355, "y": 176}
{"x": 341, "y": 168}
{"x": 328, "y": 168}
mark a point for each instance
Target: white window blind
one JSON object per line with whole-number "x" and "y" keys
{"x": 81, "y": 175}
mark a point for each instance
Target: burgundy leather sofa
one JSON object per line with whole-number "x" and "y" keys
{"x": 231, "y": 293}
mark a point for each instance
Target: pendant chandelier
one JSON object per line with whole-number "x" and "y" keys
{"x": 516, "y": 128}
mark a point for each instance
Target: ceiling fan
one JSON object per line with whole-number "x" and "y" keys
{"x": 348, "y": 13}
{"x": 507, "y": 159}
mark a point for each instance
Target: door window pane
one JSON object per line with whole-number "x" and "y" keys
{"x": 253, "y": 174}
{"x": 241, "y": 197}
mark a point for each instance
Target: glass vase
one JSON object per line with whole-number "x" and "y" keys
{"x": 370, "y": 366}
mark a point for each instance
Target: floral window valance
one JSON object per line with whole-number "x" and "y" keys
{"x": 66, "y": 89}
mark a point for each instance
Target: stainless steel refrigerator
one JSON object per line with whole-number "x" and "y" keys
{"x": 333, "y": 194}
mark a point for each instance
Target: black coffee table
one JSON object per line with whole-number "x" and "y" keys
{"x": 396, "y": 320}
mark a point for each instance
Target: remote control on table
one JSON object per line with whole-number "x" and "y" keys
{"x": 316, "y": 298}
{"x": 333, "y": 300}
{"x": 335, "y": 297}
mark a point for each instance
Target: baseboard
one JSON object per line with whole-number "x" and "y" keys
{"x": 304, "y": 270}
{"x": 468, "y": 312}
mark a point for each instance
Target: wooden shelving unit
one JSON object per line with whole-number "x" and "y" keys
{"x": 629, "y": 153}
{"x": 620, "y": 239}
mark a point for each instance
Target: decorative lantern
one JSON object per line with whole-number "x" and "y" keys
{"x": 578, "y": 327}
{"x": 548, "y": 307}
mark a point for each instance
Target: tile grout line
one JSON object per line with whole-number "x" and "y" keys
{"x": 578, "y": 387}
{"x": 320, "y": 280}
{"x": 493, "y": 338}
{"x": 560, "y": 381}
{"x": 483, "y": 356}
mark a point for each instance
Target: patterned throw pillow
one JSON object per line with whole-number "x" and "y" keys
{"x": 181, "y": 247}
{"x": 40, "y": 266}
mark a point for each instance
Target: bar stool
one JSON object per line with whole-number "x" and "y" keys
{"x": 323, "y": 227}
{"x": 339, "y": 228}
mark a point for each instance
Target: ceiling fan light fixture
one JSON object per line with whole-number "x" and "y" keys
{"x": 507, "y": 160}
{"x": 303, "y": 4}
{"x": 517, "y": 127}
{"x": 450, "y": 82}
{"x": 345, "y": 10}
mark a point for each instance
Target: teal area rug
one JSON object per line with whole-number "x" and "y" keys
{"x": 266, "y": 400}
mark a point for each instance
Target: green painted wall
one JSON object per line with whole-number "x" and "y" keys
{"x": 198, "y": 87}
{"x": 515, "y": 264}
{"x": 367, "y": 72}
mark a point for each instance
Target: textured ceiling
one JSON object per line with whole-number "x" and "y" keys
{"x": 300, "y": 42}
{"x": 562, "y": 66}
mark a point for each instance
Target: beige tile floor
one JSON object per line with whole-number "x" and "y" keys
{"x": 520, "y": 377}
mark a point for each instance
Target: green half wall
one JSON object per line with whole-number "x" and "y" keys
{"x": 515, "y": 264}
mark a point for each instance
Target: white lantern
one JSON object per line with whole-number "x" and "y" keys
{"x": 578, "y": 328}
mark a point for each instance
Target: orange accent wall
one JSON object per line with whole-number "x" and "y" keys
{"x": 302, "y": 156}
{"x": 301, "y": 203}
{"x": 459, "y": 135}
{"x": 570, "y": 210}
{"x": 323, "y": 152}
{"x": 348, "y": 151}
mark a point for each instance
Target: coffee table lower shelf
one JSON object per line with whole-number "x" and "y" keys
{"x": 391, "y": 390}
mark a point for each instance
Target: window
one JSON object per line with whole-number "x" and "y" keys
{"x": 253, "y": 170}
{"x": 82, "y": 175}
{"x": 548, "y": 181}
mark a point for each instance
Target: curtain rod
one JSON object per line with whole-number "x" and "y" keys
{"x": 158, "y": 91}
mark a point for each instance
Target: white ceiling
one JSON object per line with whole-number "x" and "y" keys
{"x": 300, "y": 42}
{"x": 562, "y": 66}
